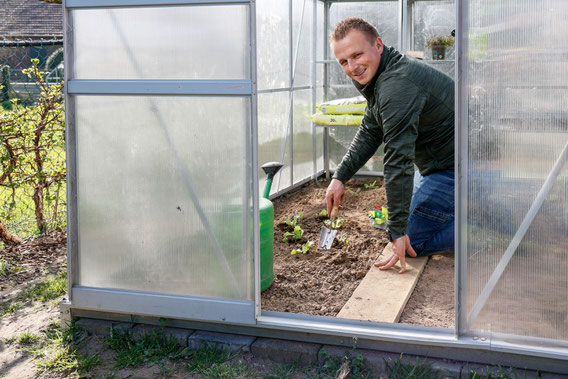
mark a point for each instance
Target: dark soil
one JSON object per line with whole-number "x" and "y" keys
{"x": 320, "y": 282}
{"x": 33, "y": 258}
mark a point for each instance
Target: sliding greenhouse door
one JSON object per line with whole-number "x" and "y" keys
{"x": 159, "y": 102}
{"x": 513, "y": 144}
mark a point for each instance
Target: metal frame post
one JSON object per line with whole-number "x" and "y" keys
{"x": 291, "y": 79}
{"x": 326, "y": 6}
{"x": 253, "y": 166}
{"x": 314, "y": 84}
{"x": 71, "y": 153}
{"x": 461, "y": 156}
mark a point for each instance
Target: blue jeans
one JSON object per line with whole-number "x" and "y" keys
{"x": 431, "y": 221}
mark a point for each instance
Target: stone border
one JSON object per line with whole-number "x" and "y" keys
{"x": 303, "y": 353}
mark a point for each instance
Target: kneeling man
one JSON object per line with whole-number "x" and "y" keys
{"x": 410, "y": 108}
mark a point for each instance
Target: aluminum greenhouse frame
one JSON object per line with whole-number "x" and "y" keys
{"x": 119, "y": 183}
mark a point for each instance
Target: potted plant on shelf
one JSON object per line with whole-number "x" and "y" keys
{"x": 438, "y": 45}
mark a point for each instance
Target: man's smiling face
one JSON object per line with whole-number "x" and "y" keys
{"x": 358, "y": 57}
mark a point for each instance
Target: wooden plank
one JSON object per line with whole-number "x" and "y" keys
{"x": 382, "y": 295}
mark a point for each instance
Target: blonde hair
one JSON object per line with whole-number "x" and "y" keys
{"x": 350, "y": 23}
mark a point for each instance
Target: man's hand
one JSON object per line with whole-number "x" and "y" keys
{"x": 334, "y": 195}
{"x": 399, "y": 247}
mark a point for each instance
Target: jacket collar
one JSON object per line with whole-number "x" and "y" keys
{"x": 368, "y": 90}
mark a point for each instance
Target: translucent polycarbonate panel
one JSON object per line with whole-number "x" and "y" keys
{"x": 174, "y": 42}
{"x": 429, "y": 19}
{"x": 162, "y": 195}
{"x": 321, "y": 42}
{"x": 274, "y": 136}
{"x": 384, "y": 15}
{"x": 302, "y": 26}
{"x": 303, "y": 140}
{"x": 338, "y": 143}
{"x": 447, "y": 66}
{"x": 319, "y": 134}
{"x": 517, "y": 141}
{"x": 273, "y": 44}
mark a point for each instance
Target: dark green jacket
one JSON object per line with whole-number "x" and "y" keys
{"x": 411, "y": 109}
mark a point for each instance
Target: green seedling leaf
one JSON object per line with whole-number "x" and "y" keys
{"x": 298, "y": 232}
{"x": 354, "y": 192}
{"x": 335, "y": 224}
{"x": 342, "y": 238}
{"x": 305, "y": 249}
{"x": 372, "y": 185}
{"x": 295, "y": 236}
{"x": 295, "y": 220}
{"x": 323, "y": 213}
{"x": 307, "y": 246}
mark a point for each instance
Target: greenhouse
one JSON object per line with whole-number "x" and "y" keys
{"x": 173, "y": 106}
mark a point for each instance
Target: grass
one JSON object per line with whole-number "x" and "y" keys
{"x": 152, "y": 348}
{"x": 50, "y": 288}
{"x": 417, "y": 370}
{"x": 5, "y": 268}
{"x": 499, "y": 374}
{"x": 55, "y": 350}
{"x": 285, "y": 371}
{"x": 331, "y": 367}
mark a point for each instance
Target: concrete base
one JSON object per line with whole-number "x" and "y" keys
{"x": 306, "y": 353}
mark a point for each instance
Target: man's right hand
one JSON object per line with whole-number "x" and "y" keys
{"x": 335, "y": 194}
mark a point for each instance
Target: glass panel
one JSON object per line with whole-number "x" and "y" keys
{"x": 383, "y": 15}
{"x": 517, "y": 131}
{"x": 273, "y": 44}
{"x": 273, "y": 136}
{"x": 303, "y": 142}
{"x": 303, "y": 76}
{"x": 161, "y": 195}
{"x": 136, "y": 43}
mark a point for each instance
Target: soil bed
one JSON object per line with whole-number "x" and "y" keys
{"x": 320, "y": 282}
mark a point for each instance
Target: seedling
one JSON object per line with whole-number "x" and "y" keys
{"x": 295, "y": 236}
{"x": 370, "y": 186}
{"x": 304, "y": 249}
{"x": 335, "y": 224}
{"x": 354, "y": 192}
{"x": 295, "y": 220}
{"x": 323, "y": 213}
{"x": 342, "y": 238}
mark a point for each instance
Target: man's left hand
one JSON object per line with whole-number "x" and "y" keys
{"x": 400, "y": 246}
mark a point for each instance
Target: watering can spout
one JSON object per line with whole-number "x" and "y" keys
{"x": 270, "y": 169}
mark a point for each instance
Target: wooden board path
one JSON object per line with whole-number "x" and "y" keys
{"x": 382, "y": 295}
